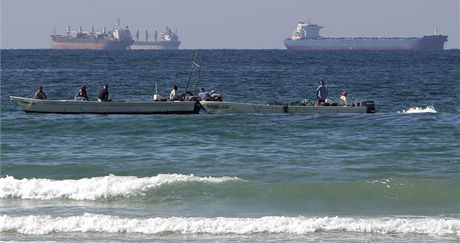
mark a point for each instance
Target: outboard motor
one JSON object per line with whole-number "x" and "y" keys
{"x": 369, "y": 104}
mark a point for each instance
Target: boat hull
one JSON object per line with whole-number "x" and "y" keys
{"x": 215, "y": 107}
{"x": 95, "y": 107}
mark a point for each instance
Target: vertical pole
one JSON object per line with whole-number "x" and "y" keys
{"x": 197, "y": 78}
{"x": 191, "y": 71}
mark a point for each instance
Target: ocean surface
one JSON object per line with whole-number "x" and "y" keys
{"x": 389, "y": 176}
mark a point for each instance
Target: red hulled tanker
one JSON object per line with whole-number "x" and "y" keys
{"x": 116, "y": 39}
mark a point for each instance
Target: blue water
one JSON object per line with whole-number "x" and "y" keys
{"x": 389, "y": 176}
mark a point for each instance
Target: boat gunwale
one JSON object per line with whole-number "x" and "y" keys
{"x": 284, "y": 108}
{"x": 28, "y": 104}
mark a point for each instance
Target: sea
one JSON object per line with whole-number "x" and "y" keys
{"x": 389, "y": 176}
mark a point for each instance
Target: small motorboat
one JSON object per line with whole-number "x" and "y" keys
{"x": 216, "y": 107}
{"x": 113, "y": 107}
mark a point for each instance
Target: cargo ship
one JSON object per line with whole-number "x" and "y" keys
{"x": 116, "y": 39}
{"x": 306, "y": 37}
{"x": 168, "y": 40}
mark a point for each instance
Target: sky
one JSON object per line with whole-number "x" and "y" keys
{"x": 229, "y": 24}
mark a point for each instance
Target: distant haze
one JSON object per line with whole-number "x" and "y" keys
{"x": 240, "y": 24}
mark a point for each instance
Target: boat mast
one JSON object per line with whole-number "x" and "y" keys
{"x": 197, "y": 77}
{"x": 191, "y": 71}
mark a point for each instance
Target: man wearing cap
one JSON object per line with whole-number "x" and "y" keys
{"x": 205, "y": 96}
{"x": 103, "y": 94}
{"x": 215, "y": 96}
{"x": 343, "y": 99}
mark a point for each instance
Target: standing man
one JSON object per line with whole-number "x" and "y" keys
{"x": 103, "y": 94}
{"x": 321, "y": 93}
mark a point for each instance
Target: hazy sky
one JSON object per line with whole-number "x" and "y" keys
{"x": 242, "y": 24}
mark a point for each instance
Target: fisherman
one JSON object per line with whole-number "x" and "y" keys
{"x": 321, "y": 93}
{"x": 82, "y": 94}
{"x": 343, "y": 99}
{"x": 104, "y": 94}
{"x": 215, "y": 96}
{"x": 40, "y": 94}
{"x": 173, "y": 95}
{"x": 205, "y": 96}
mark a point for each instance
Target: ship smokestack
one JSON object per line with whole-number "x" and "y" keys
{"x": 137, "y": 35}
{"x": 146, "y": 36}
{"x": 68, "y": 30}
{"x": 80, "y": 29}
{"x": 156, "y": 35}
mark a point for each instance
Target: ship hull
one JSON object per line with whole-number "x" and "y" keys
{"x": 91, "y": 44}
{"x": 158, "y": 45}
{"x": 435, "y": 42}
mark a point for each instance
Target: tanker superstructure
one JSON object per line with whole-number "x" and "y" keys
{"x": 169, "y": 40}
{"x": 306, "y": 37}
{"x": 116, "y": 39}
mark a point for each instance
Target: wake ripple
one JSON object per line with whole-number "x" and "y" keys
{"x": 428, "y": 109}
{"x": 95, "y": 187}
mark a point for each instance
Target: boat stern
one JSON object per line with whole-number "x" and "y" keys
{"x": 369, "y": 104}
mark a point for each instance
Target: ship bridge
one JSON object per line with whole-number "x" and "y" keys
{"x": 306, "y": 31}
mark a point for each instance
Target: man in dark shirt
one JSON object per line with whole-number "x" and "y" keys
{"x": 321, "y": 93}
{"x": 40, "y": 94}
{"x": 104, "y": 94}
{"x": 82, "y": 94}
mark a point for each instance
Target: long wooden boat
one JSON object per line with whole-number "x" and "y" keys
{"x": 216, "y": 107}
{"x": 114, "y": 107}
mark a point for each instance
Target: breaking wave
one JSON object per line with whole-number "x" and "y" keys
{"x": 98, "y": 223}
{"x": 95, "y": 187}
{"x": 428, "y": 109}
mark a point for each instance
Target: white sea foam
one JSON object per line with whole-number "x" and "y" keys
{"x": 428, "y": 109}
{"x": 95, "y": 187}
{"x": 40, "y": 225}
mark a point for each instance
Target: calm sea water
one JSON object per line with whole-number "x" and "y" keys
{"x": 389, "y": 176}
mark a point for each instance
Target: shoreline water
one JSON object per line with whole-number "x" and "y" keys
{"x": 388, "y": 176}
